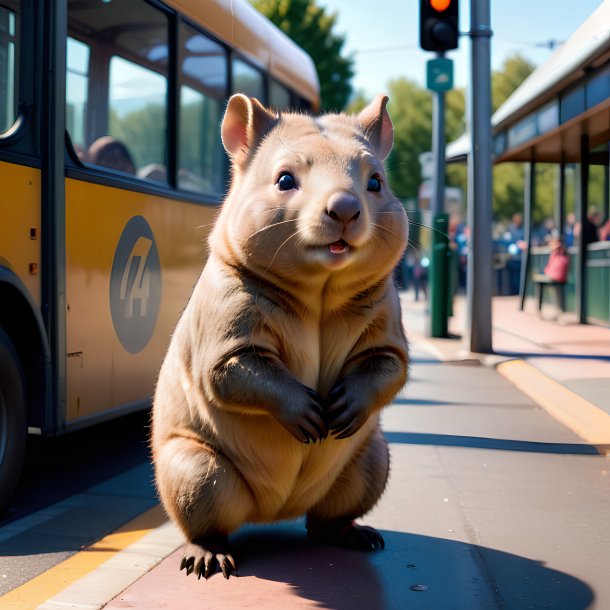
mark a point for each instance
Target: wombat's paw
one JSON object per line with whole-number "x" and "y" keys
{"x": 346, "y": 412}
{"x": 347, "y": 534}
{"x": 305, "y": 419}
{"x": 204, "y": 556}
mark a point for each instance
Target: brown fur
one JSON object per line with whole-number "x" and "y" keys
{"x": 267, "y": 403}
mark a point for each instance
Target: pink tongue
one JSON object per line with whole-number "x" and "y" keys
{"x": 338, "y": 247}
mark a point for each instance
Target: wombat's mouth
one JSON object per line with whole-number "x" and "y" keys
{"x": 338, "y": 247}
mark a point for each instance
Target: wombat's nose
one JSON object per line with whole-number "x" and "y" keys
{"x": 343, "y": 207}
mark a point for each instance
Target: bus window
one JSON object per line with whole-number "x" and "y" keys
{"x": 203, "y": 90}
{"x": 117, "y": 83}
{"x": 137, "y": 107}
{"x": 8, "y": 64}
{"x": 77, "y": 85}
{"x": 279, "y": 96}
{"x": 248, "y": 80}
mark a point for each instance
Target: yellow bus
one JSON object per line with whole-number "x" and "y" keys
{"x": 111, "y": 171}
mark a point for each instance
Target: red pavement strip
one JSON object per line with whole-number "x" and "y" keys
{"x": 169, "y": 589}
{"x": 290, "y": 573}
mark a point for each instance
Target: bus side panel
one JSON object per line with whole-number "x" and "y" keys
{"x": 20, "y": 224}
{"x": 132, "y": 262}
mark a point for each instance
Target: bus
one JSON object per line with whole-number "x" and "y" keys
{"x": 111, "y": 173}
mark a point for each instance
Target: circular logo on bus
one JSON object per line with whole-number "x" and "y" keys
{"x": 135, "y": 285}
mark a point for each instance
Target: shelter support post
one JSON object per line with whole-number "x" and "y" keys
{"x": 560, "y": 202}
{"x": 529, "y": 200}
{"x": 606, "y": 210}
{"x": 583, "y": 205}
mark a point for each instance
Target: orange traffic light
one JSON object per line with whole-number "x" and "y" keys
{"x": 440, "y": 5}
{"x": 438, "y": 25}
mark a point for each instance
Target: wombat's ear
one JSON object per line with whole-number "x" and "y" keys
{"x": 377, "y": 126}
{"x": 244, "y": 125}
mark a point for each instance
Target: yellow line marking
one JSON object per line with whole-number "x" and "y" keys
{"x": 56, "y": 579}
{"x": 573, "y": 411}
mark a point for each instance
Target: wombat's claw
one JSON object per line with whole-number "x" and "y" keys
{"x": 205, "y": 558}
{"x": 349, "y": 535}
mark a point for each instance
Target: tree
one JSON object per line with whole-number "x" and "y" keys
{"x": 410, "y": 107}
{"x": 508, "y": 178}
{"x": 312, "y": 29}
{"x": 504, "y": 82}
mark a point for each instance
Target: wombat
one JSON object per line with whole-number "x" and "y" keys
{"x": 267, "y": 405}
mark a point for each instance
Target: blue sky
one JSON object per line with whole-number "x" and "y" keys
{"x": 518, "y": 26}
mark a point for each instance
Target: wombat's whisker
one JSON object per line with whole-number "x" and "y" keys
{"x": 425, "y": 226}
{"x": 282, "y": 245}
{"x": 418, "y": 247}
{"x": 374, "y": 224}
{"x": 276, "y": 224}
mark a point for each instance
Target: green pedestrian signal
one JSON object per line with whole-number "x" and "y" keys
{"x": 439, "y": 74}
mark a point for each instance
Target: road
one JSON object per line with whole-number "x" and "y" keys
{"x": 491, "y": 504}
{"x": 61, "y": 504}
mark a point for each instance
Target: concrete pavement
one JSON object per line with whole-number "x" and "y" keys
{"x": 491, "y": 503}
{"x": 562, "y": 365}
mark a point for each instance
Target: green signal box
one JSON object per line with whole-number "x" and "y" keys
{"x": 439, "y": 74}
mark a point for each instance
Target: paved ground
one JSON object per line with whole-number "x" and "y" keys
{"x": 492, "y": 503}
{"x": 562, "y": 365}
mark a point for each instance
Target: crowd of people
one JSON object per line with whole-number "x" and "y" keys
{"x": 508, "y": 244}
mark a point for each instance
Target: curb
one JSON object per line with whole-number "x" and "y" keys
{"x": 579, "y": 415}
{"x": 582, "y": 417}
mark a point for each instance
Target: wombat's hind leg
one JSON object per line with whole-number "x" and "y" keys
{"x": 354, "y": 493}
{"x": 207, "y": 497}
{"x": 203, "y": 555}
{"x": 347, "y": 534}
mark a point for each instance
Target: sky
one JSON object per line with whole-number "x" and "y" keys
{"x": 383, "y": 36}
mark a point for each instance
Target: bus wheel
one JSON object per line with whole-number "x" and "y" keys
{"x": 13, "y": 424}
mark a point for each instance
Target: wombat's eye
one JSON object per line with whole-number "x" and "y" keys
{"x": 286, "y": 181}
{"x": 374, "y": 184}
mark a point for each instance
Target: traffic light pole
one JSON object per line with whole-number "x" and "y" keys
{"x": 438, "y": 150}
{"x": 479, "y": 290}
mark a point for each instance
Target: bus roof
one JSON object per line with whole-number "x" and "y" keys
{"x": 240, "y": 25}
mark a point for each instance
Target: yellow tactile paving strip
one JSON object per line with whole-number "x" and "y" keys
{"x": 579, "y": 415}
{"x": 50, "y": 583}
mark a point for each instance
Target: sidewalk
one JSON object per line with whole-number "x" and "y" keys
{"x": 491, "y": 504}
{"x": 562, "y": 365}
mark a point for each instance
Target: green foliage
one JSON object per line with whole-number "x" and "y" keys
{"x": 507, "y": 189}
{"x": 357, "y": 102}
{"x": 505, "y": 81}
{"x": 410, "y": 107}
{"x": 455, "y": 108}
{"x": 312, "y": 29}
{"x": 508, "y": 177}
{"x": 143, "y": 131}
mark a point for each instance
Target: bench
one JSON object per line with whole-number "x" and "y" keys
{"x": 540, "y": 281}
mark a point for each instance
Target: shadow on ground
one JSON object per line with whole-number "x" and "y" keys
{"x": 495, "y": 444}
{"x": 279, "y": 568}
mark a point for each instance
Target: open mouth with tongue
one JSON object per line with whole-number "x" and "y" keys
{"x": 339, "y": 247}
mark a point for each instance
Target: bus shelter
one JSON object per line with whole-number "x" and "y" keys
{"x": 561, "y": 115}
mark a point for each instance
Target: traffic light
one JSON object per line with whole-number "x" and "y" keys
{"x": 438, "y": 25}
